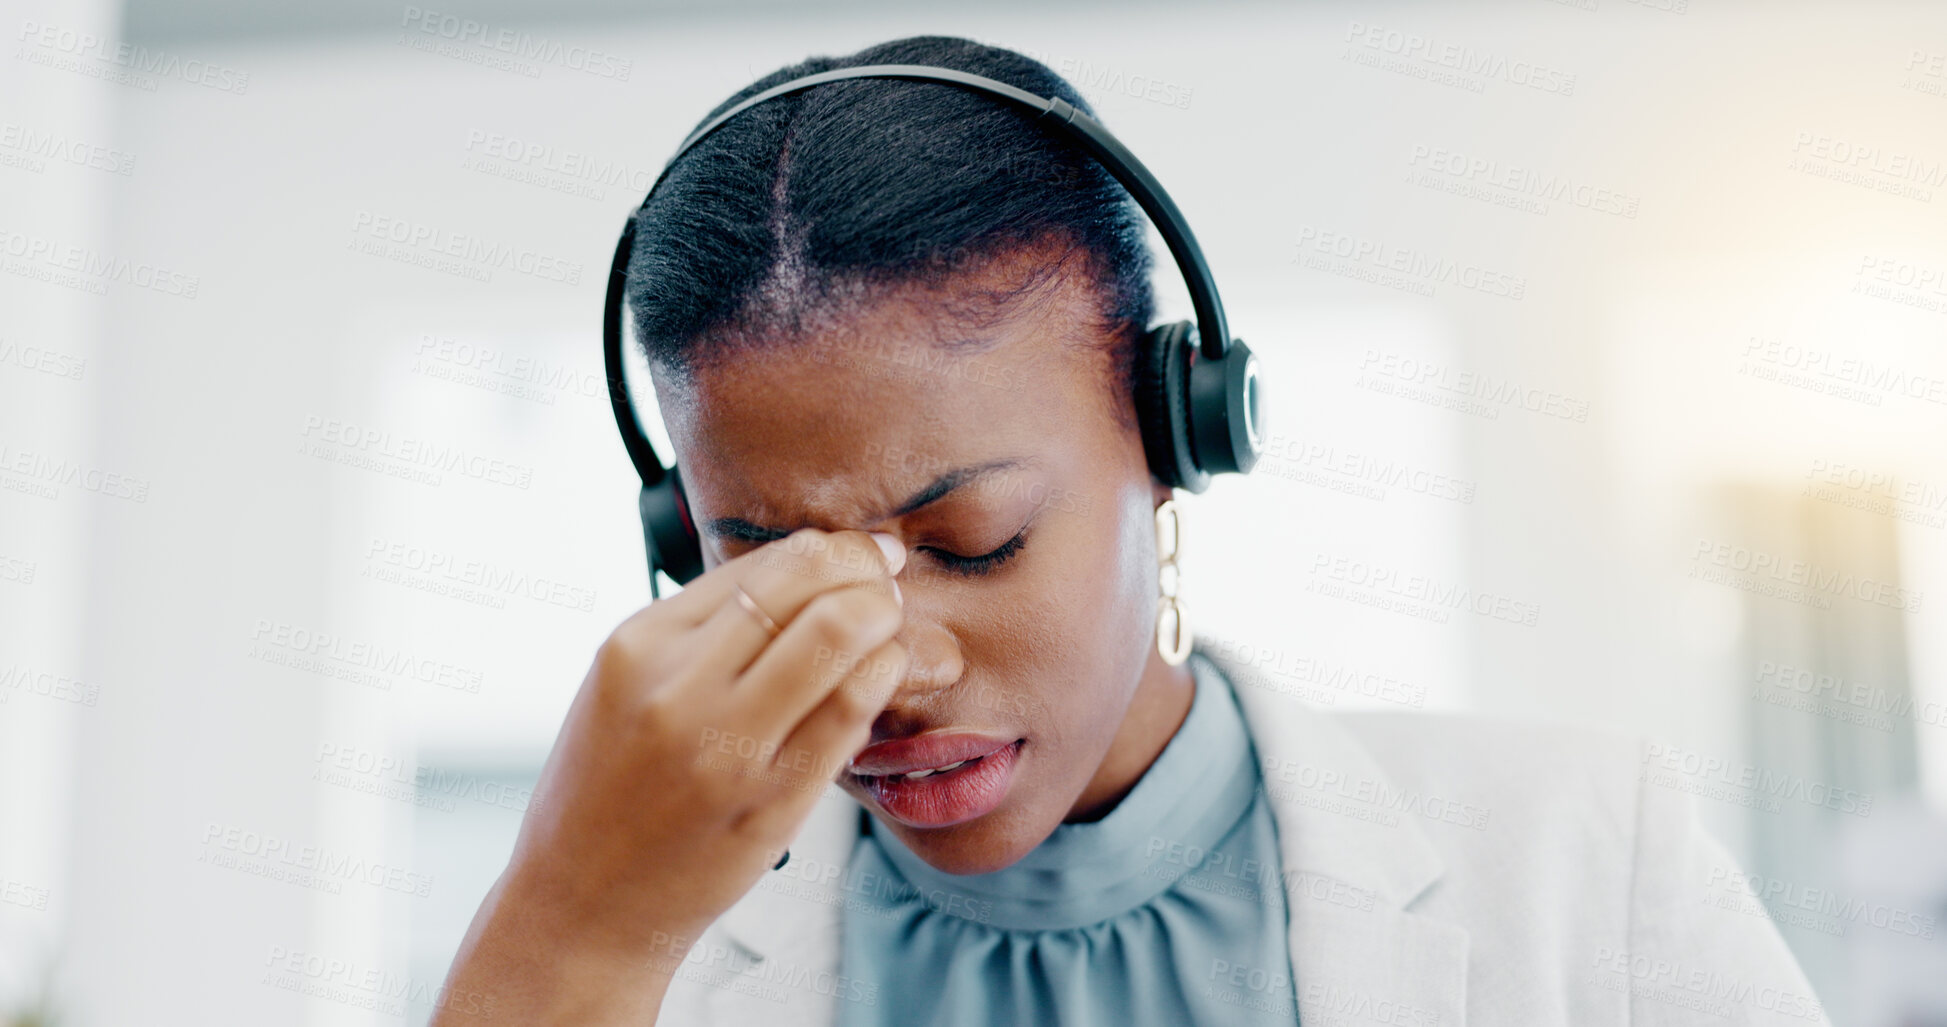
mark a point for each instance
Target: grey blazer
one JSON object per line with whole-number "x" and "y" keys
{"x": 1440, "y": 871}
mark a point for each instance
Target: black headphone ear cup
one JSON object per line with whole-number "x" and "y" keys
{"x": 668, "y": 536}
{"x": 1224, "y": 410}
{"x": 1162, "y": 394}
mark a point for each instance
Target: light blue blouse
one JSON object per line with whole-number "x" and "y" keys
{"x": 1168, "y": 911}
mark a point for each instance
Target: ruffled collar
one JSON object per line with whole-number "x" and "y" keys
{"x": 1194, "y": 793}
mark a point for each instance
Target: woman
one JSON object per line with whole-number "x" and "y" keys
{"x": 893, "y": 327}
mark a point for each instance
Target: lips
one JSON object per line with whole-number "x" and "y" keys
{"x": 932, "y": 751}
{"x": 936, "y": 780}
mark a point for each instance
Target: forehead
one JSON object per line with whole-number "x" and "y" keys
{"x": 851, "y": 418}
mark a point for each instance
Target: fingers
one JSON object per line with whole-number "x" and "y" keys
{"x": 718, "y": 650}
{"x": 839, "y": 726}
{"x": 796, "y": 673}
{"x": 782, "y": 579}
{"x": 836, "y": 557}
{"x": 824, "y": 742}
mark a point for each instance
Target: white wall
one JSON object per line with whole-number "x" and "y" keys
{"x": 179, "y": 607}
{"x": 51, "y": 369}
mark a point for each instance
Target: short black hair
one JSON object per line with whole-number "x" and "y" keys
{"x": 812, "y": 199}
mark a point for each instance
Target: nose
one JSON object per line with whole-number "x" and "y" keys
{"x": 933, "y": 660}
{"x": 933, "y": 664}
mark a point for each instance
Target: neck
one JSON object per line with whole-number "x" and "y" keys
{"x": 1161, "y": 704}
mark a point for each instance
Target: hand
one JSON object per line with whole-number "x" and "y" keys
{"x": 693, "y": 753}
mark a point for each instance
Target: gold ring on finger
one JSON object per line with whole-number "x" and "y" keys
{"x": 744, "y": 600}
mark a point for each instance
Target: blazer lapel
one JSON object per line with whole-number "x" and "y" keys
{"x": 792, "y": 920}
{"x": 1354, "y": 860}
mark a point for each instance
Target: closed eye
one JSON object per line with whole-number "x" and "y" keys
{"x": 974, "y": 566}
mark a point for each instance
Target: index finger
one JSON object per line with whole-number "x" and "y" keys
{"x": 786, "y": 574}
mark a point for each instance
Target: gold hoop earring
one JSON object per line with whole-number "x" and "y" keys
{"x": 1171, "y": 621}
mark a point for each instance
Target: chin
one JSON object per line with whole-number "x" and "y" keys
{"x": 980, "y": 846}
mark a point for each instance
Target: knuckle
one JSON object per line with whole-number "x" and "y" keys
{"x": 618, "y": 657}
{"x": 828, "y": 621}
{"x": 847, "y": 616}
{"x": 657, "y": 710}
{"x": 890, "y": 662}
{"x": 869, "y": 682}
{"x": 770, "y": 568}
{"x": 637, "y": 659}
{"x": 853, "y": 701}
{"x": 652, "y": 721}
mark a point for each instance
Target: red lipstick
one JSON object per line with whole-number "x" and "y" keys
{"x": 937, "y": 779}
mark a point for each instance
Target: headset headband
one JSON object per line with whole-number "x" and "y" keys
{"x": 1213, "y": 334}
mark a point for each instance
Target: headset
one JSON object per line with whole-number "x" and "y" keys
{"x": 1196, "y": 388}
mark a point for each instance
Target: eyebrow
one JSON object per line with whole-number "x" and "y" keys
{"x": 737, "y": 529}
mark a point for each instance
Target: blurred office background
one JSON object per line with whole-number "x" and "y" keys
{"x": 1627, "y": 317}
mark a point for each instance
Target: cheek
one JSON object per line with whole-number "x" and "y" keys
{"x": 1118, "y": 585}
{"x": 1092, "y": 611}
